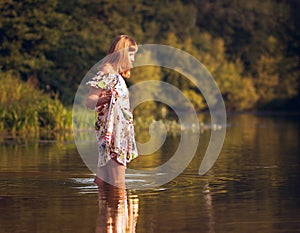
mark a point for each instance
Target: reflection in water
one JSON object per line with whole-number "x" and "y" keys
{"x": 117, "y": 213}
{"x": 210, "y": 211}
{"x": 253, "y": 186}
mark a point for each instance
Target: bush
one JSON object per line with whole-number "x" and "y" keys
{"x": 28, "y": 110}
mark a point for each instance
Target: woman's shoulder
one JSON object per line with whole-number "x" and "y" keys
{"x": 105, "y": 78}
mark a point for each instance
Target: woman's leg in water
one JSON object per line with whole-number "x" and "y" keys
{"x": 101, "y": 176}
{"x": 116, "y": 173}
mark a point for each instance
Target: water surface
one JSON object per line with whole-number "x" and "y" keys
{"x": 253, "y": 187}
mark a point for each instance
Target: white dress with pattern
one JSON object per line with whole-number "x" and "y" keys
{"x": 114, "y": 126}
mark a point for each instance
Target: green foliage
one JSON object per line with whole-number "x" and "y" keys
{"x": 276, "y": 78}
{"x": 264, "y": 36}
{"x": 251, "y": 48}
{"x": 29, "y": 31}
{"x": 26, "y": 109}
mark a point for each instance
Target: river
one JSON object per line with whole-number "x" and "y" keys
{"x": 253, "y": 186}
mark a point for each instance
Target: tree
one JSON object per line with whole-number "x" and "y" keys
{"x": 29, "y": 30}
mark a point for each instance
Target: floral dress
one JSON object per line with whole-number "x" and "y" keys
{"x": 114, "y": 126}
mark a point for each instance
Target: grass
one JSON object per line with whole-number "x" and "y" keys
{"x": 27, "y": 110}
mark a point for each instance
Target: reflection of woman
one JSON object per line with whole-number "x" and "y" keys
{"x": 116, "y": 213}
{"x": 114, "y": 126}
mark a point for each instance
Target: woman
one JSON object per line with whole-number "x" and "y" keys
{"x": 109, "y": 96}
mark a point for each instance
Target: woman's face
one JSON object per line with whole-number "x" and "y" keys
{"x": 131, "y": 55}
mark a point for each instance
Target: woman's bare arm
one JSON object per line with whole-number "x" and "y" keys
{"x": 98, "y": 97}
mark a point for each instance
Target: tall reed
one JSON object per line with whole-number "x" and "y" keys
{"x": 26, "y": 110}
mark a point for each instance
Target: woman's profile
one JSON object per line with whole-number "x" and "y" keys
{"x": 109, "y": 96}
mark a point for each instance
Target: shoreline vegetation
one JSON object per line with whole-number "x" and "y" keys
{"x": 27, "y": 110}
{"x": 27, "y": 113}
{"x": 47, "y": 48}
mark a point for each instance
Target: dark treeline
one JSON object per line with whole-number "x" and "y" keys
{"x": 250, "y": 47}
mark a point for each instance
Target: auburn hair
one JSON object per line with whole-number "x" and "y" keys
{"x": 117, "y": 55}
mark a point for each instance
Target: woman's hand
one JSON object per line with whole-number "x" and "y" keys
{"x": 97, "y": 97}
{"x": 104, "y": 97}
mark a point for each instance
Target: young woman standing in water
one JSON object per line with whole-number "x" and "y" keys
{"x": 109, "y": 96}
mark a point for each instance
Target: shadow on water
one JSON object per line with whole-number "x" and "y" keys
{"x": 253, "y": 186}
